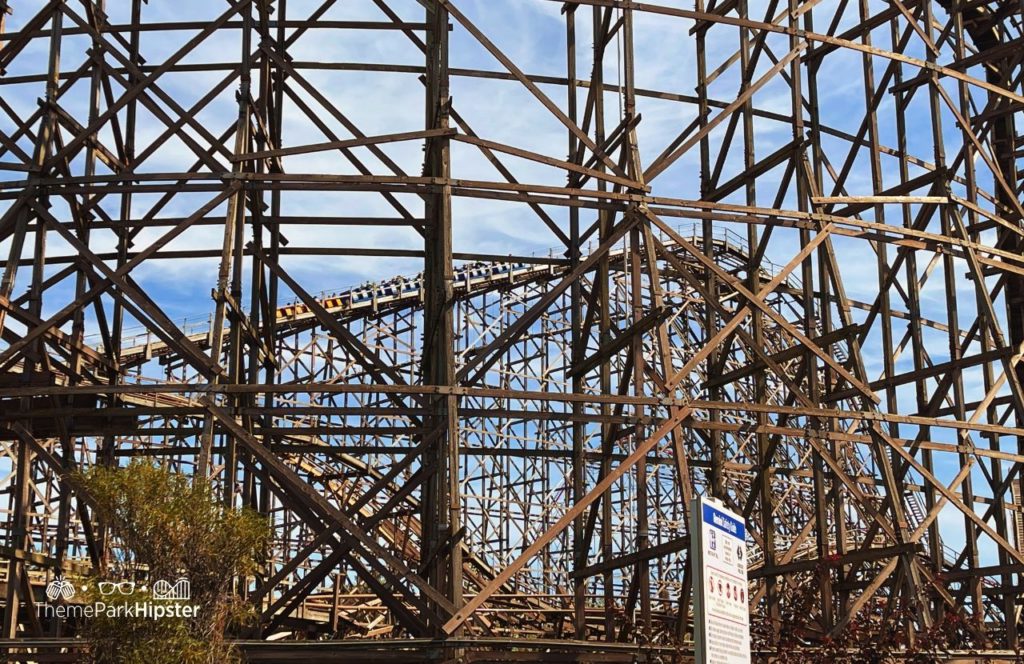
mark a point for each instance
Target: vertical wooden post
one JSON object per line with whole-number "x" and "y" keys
{"x": 441, "y": 503}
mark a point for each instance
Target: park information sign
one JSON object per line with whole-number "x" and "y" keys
{"x": 721, "y": 616}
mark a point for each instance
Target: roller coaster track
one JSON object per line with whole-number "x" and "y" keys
{"x": 407, "y": 291}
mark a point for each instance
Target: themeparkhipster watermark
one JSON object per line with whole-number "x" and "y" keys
{"x": 166, "y": 600}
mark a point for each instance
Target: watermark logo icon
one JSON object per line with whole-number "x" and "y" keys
{"x": 179, "y": 590}
{"x": 110, "y": 587}
{"x": 59, "y": 587}
{"x": 118, "y": 600}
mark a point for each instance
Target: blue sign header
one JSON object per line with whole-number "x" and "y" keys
{"x": 724, "y": 522}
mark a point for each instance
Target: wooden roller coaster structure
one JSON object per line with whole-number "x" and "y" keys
{"x": 789, "y": 274}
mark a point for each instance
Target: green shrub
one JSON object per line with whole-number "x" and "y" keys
{"x": 166, "y": 526}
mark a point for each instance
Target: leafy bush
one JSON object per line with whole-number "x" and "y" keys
{"x": 167, "y": 526}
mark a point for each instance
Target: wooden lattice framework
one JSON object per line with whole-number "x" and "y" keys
{"x": 788, "y": 273}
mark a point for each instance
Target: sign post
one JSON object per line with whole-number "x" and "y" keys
{"x": 721, "y": 630}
